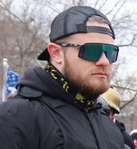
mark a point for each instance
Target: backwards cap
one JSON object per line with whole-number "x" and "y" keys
{"x": 72, "y": 21}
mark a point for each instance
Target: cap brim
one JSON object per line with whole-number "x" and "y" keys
{"x": 44, "y": 55}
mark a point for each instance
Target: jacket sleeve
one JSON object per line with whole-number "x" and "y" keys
{"x": 16, "y": 126}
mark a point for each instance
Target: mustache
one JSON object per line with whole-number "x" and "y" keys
{"x": 102, "y": 71}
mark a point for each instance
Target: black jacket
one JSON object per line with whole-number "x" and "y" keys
{"x": 44, "y": 116}
{"x": 127, "y": 138}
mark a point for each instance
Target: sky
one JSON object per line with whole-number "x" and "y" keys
{"x": 129, "y": 53}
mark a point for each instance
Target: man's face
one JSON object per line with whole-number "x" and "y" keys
{"x": 87, "y": 77}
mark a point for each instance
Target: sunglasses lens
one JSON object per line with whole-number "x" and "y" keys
{"x": 111, "y": 52}
{"x": 90, "y": 52}
{"x": 93, "y": 51}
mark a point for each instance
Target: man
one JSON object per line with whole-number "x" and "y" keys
{"x": 110, "y": 103}
{"x": 133, "y": 135}
{"x": 54, "y": 107}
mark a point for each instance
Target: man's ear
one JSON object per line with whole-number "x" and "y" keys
{"x": 55, "y": 52}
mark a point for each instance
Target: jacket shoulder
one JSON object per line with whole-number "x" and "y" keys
{"x": 23, "y": 121}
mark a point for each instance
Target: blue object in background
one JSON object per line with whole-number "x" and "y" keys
{"x": 12, "y": 79}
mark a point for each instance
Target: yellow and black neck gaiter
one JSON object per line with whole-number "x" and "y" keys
{"x": 60, "y": 78}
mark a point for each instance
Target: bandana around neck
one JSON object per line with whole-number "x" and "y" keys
{"x": 61, "y": 80}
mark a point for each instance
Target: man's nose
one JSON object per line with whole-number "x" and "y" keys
{"x": 103, "y": 60}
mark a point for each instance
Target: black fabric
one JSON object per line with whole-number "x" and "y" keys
{"x": 28, "y": 92}
{"x": 127, "y": 138}
{"x": 96, "y": 29}
{"x": 53, "y": 120}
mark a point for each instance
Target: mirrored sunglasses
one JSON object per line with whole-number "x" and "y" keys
{"x": 93, "y": 51}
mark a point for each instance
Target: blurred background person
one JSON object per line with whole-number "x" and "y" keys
{"x": 133, "y": 134}
{"x": 110, "y": 101}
